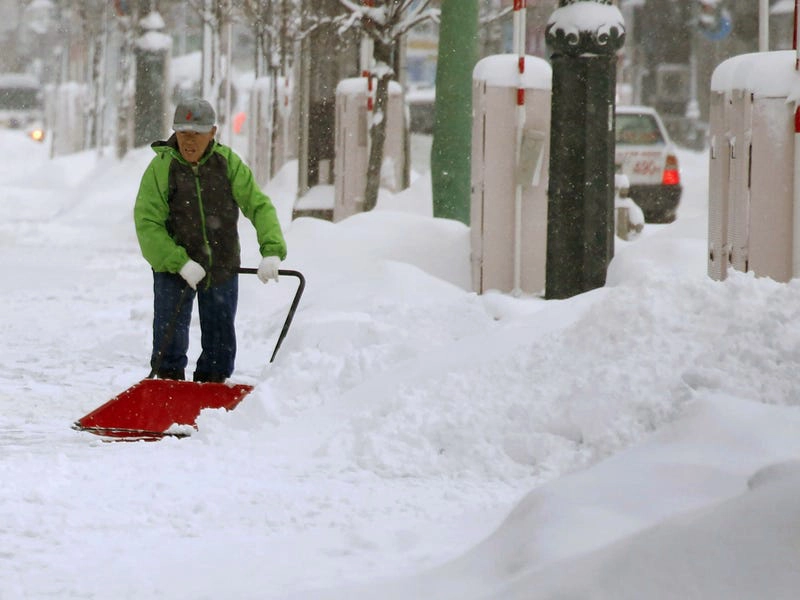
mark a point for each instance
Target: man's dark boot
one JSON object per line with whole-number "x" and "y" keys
{"x": 177, "y": 374}
{"x": 201, "y": 377}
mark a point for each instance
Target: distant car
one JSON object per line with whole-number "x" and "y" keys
{"x": 20, "y": 100}
{"x": 647, "y": 156}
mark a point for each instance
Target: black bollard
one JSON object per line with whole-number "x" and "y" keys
{"x": 153, "y": 50}
{"x": 585, "y": 36}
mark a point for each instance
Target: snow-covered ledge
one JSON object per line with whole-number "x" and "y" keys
{"x": 580, "y": 27}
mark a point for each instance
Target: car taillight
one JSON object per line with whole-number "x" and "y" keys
{"x": 671, "y": 175}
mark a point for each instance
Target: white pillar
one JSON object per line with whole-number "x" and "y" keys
{"x": 208, "y": 52}
{"x": 763, "y": 25}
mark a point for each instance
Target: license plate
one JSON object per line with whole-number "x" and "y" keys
{"x": 641, "y": 165}
{"x": 645, "y": 167}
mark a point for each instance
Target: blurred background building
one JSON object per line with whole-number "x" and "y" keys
{"x": 673, "y": 47}
{"x": 671, "y": 50}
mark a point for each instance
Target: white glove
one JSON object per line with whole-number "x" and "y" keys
{"x": 268, "y": 269}
{"x": 192, "y": 272}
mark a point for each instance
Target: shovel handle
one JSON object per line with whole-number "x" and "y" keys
{"x": 300, "y": 287}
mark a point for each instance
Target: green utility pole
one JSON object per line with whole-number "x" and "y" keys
{"x": 452, "y": 130}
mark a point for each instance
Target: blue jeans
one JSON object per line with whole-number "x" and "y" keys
{"x": 174, "y": 299}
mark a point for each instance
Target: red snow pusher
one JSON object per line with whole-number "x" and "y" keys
{"x": 156, "y": 408}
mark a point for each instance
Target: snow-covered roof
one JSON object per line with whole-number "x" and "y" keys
{"x": 421, "y": 94}
{"x": 501, "y": 70}
{"x": 635, "y": 108}
{"x": 18, "y": 80}
{"x": 358, "y": 85}
{"x": 782, "y": 7}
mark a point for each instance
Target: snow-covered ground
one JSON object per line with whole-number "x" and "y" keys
{"x": 412, "y": 439}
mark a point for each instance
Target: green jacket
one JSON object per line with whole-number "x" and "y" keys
{"x": 184, "y": 211}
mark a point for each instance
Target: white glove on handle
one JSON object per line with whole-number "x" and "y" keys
{"x": 192, "y": 272}
{"x": 268, "y": 269}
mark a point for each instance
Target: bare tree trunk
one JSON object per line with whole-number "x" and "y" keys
{"x": 400, "y": 74}
{"x": 94, "y": 138}
{"x": 377, "y": 142}
{"x": 125, "y": 86}
{"x": 384, "y": 55}
{"x": 386, "y": 34}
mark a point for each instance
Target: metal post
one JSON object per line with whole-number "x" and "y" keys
{"x": 519, "y": 47}
{"x": 585, "y": 36}
{"x": 367, "y": 59}
{"x": 796, "y": 174}
{"x": 452, "y": 137}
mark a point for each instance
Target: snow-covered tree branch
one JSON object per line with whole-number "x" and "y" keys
{"x": 385, "y": 23}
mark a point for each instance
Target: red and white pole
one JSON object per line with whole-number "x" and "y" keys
{"x": 520, "y": 7}
{"x": 366, "y": 58}
{"x": 796, "y": 174}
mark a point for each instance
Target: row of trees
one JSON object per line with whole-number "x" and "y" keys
{"x": 87, "y": 32}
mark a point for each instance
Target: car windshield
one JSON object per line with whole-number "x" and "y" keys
{"x": 18, "y": 98}
{"x": 637, "y": 128}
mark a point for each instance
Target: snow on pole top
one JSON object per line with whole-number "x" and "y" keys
{"x": 586, "y": 27}
{"x": 502, "y": 70}
{"x": 20, "y": 80}
{"x": 152, "y": 22}
{"x": 153, "y": 39}
{"x": 765, "y": 74}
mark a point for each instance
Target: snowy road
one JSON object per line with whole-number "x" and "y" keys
{"x": 404, "y": 418}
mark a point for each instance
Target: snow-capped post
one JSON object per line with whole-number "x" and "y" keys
{"x": 585, "y": 36}
{"x": 520, "y": 6}
{"x": 153, "y": 48}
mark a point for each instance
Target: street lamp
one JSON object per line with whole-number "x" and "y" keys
{"x": 585, "y": 36}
